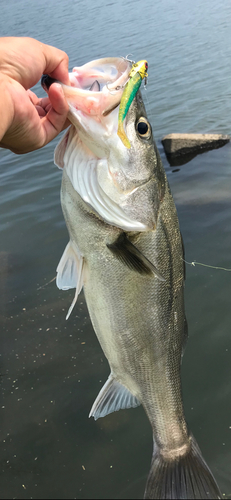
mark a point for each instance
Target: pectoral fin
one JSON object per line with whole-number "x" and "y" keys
{"x": 127, "y": 253}
{"x": 70, "y": 273}
{"x": 112, "y": 397}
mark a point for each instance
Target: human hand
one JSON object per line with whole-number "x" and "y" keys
{"x": 27, "y": 122}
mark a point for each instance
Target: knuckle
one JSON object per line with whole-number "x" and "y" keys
{"x": 65, "y": 57}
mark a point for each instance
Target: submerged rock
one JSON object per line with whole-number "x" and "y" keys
{"x": 181, "y": 148}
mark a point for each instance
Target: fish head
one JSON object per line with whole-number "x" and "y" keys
{"x": 112, "y": 179}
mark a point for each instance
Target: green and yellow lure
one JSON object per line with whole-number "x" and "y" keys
{"x": 136, "y": 75}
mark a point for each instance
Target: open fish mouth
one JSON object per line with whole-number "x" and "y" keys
{"x": 92, "y": 154}
{"x": 96, "y": 87}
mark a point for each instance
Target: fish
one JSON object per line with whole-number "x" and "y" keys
{"x": 136, "y": 75}
{"x": 126, "y": 252}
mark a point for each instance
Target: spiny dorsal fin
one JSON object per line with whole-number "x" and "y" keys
{"x": 127, "y": 253}
{"x": 112, "y": 397}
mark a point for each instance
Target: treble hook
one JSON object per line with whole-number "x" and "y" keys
{"x": 126, "y": 59}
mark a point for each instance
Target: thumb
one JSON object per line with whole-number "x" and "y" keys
{"x": 55, "y": 120}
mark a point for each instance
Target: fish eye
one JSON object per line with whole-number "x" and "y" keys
{"x": 143, "y": 128}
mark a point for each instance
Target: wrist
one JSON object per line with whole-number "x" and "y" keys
{"x": 6, "y": 106}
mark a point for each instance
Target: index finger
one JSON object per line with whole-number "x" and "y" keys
{"x": 56, "y": 63}
{"x": 26, "y": 60}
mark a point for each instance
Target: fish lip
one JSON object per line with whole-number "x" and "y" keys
{"x": 112, "y": 73}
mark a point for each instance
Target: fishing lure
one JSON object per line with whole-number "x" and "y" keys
{"x": 136, "y": 75}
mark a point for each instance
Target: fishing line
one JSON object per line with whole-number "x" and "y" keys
{"x": 43, "y": 286}
{"x": 194, "y": 263}
{"x": 146, "y": 97}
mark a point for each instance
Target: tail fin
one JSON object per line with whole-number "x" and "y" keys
{"x": 187, "y": 477}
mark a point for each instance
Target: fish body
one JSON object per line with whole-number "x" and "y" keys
{"x": 125, "y": 249}
{"x": 136, "y": 75}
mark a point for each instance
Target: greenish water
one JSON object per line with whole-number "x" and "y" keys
{"x": 52, "y": 370}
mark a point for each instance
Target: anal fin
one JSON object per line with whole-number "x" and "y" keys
{"x": 112, "y": 397}
{"x": 129, "y": 255}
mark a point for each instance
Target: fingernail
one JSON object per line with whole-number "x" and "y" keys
{"x": 58, "y": 86}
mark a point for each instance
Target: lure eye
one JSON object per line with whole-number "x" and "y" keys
{"x": 143, "y": 128}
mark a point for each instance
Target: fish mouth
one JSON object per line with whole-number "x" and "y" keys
{"x": 96, "y": 87}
